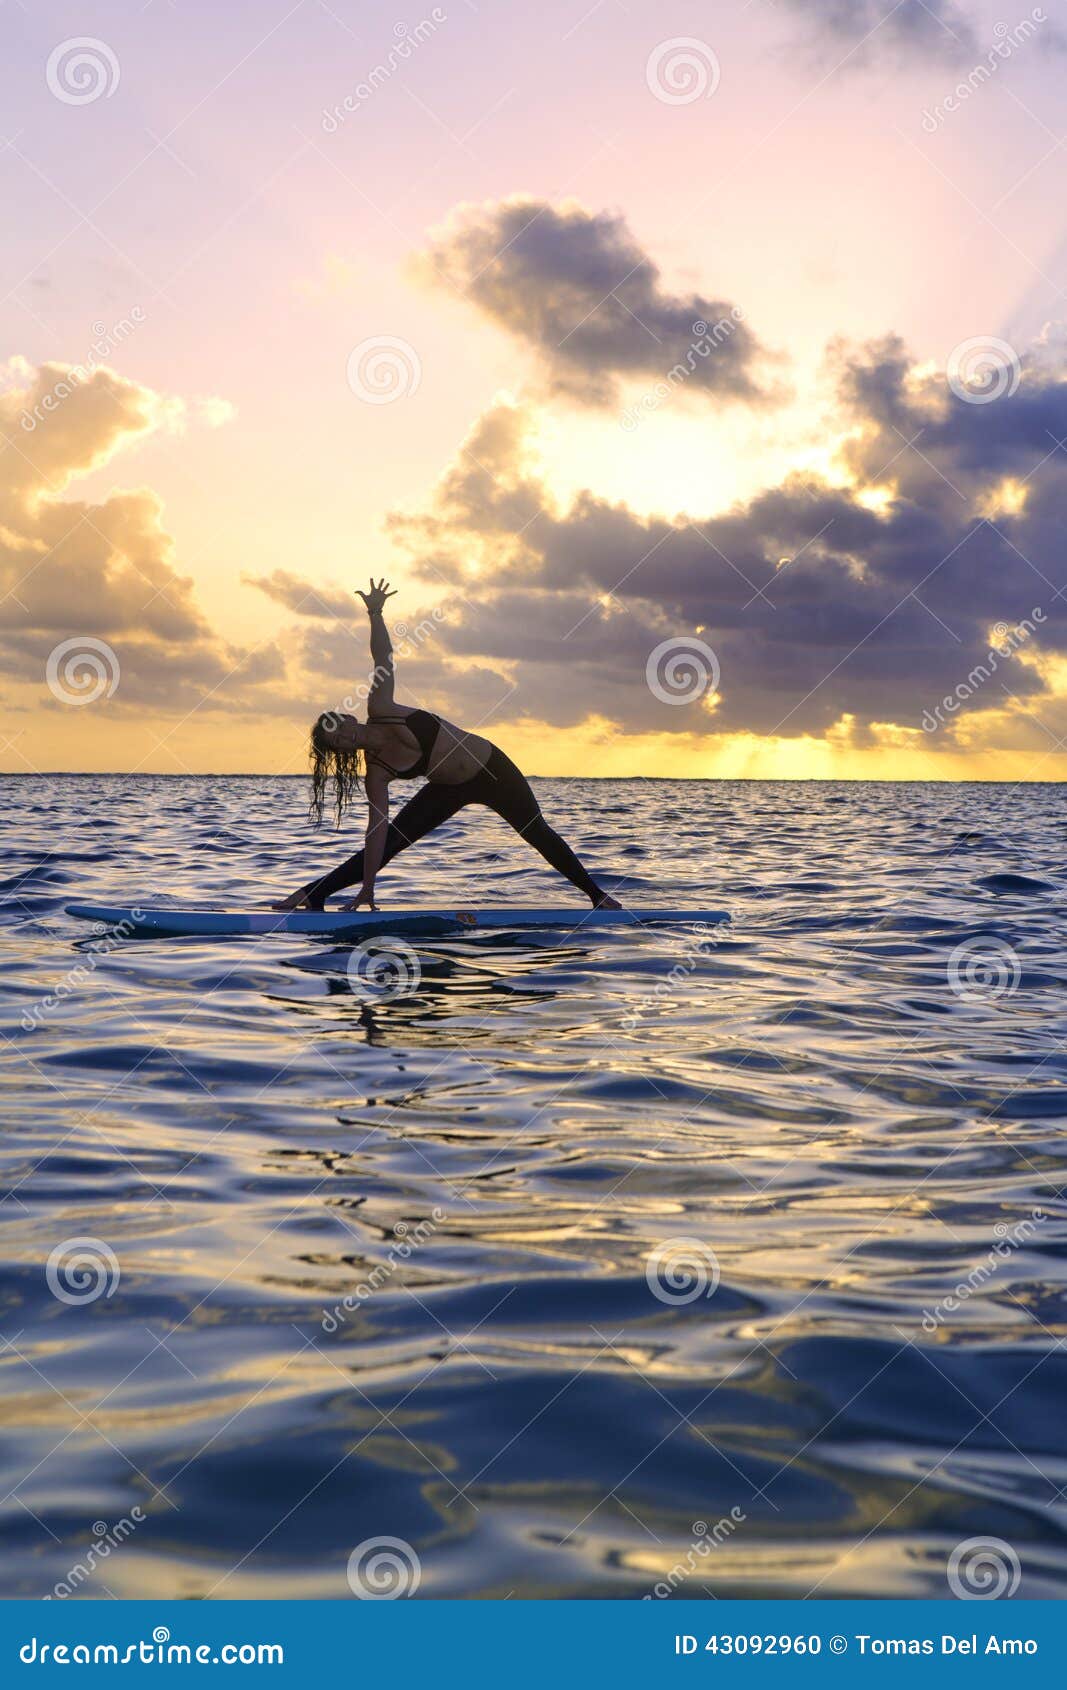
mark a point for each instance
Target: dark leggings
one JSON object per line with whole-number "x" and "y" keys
{"x": 501, "y": 787}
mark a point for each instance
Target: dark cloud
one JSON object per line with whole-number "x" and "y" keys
{"x": 819, "y": 602}
{"x": 919, "y": 27}
{"x": 333, "y": 654}
{"x": 582, "y": 295}
{"x": 432, "y": 669}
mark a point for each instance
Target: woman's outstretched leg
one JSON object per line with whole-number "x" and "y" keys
{"x": 505, "y": 789}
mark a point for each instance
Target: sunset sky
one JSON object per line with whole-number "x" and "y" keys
{"x": 276, "y": 319}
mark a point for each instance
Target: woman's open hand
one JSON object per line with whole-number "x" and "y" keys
{"x": 377, "y": 595}
{"x": 365, "y": 897}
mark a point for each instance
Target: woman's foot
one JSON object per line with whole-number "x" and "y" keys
{"x": 302, "y": 900}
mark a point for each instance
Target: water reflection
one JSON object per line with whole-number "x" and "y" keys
{"x": 852, "y": 1101}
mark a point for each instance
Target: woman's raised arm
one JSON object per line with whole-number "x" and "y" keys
{"x": 381, "y": 647}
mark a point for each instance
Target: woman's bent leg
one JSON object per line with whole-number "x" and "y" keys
{"x": 429, "y": 807}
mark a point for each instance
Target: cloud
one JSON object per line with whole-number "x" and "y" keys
{"x": 215, "y": 412}
{"x": 865, "y": 602}
{"x": 104, "y": 570}
{"x": 580, "y": 293}
{"x": 446, "y": 680}
{"x": 303, "y": 597}
{"x": 910, "y": 27}
{"x": 336, "y": 276}
{"x": 57, "y": 423}
{"x": 333, "y": 653}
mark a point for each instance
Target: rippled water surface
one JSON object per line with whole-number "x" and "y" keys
{"x": 409, "y": 1267}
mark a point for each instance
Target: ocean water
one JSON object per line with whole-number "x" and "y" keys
{"x": 581, "y": 1263}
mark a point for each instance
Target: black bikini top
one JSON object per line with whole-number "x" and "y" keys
{"x": 425, "y": 726}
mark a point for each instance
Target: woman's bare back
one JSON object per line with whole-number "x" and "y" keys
{"x": 457, "y": 755}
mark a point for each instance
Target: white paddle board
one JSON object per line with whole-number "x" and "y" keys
{"x": 190, "y": 920}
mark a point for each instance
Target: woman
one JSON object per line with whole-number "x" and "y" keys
{"x": 397, "y": 742}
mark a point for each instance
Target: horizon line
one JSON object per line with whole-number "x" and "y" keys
{"x": 751, "y": 780}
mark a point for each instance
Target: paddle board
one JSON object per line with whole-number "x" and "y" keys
{"x": 189, "y": 920}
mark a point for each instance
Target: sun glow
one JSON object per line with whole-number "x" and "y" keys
{"x": 1007, "y": 498}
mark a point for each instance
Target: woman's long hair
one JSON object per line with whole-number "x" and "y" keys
{"x": 329, "y": 762}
